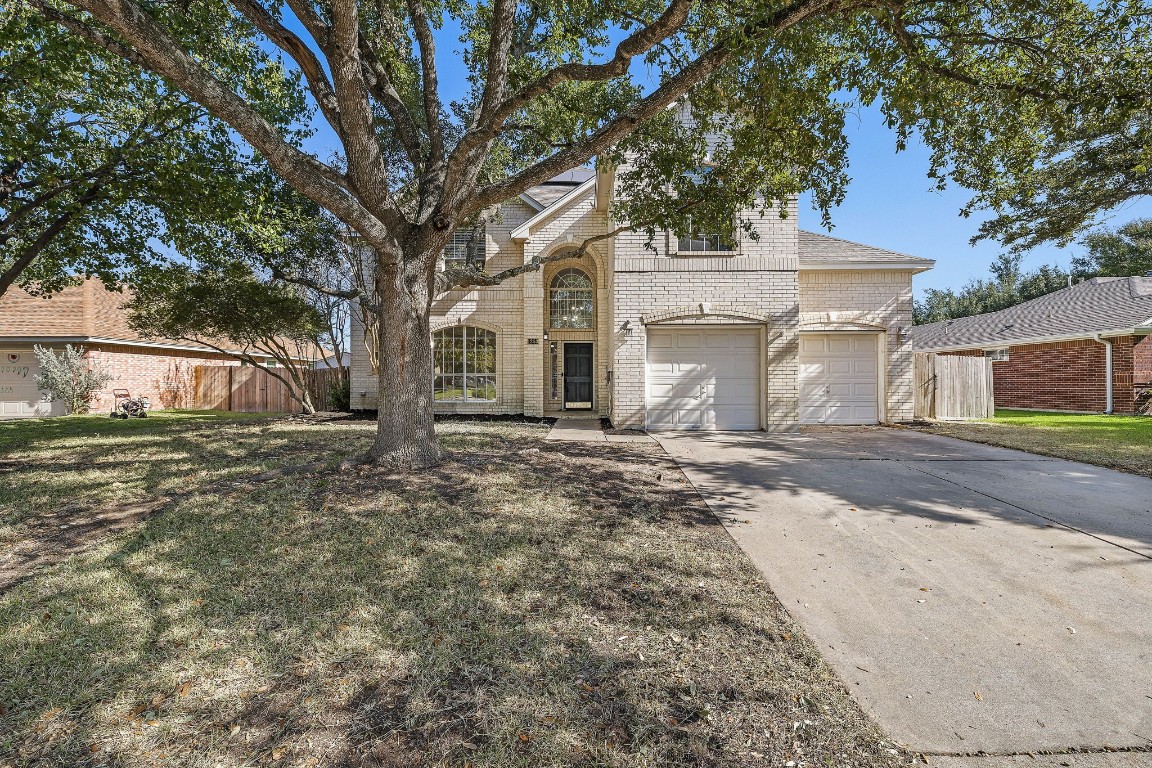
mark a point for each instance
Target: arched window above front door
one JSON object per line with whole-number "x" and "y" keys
{"x": 570, "y": 300}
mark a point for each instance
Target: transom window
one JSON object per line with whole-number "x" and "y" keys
{"x": 464, "y": 357}
{"x": 466, "y": 248}
{"x": 570, "y": 300}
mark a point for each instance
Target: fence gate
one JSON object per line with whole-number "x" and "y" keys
{"x": 249, "y": 389}
{"x": 953, "y": 387}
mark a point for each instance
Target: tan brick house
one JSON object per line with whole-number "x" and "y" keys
{"x": 90, "y": 315}
{"x": 1086, "y": 348}
{"x": 791, "y": 327}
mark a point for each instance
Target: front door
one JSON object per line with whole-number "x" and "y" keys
{"x": 577, "y": 375}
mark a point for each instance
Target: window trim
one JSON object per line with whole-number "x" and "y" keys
{"x": 591, "y": 296}
{"x": 470, "y": 330}
{"x": 477, "y": 235}
{"x": 674, "y": 245}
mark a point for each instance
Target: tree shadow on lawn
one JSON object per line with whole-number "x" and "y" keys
{"x": 568, "y": 605}
{"x": 63, "y": 497}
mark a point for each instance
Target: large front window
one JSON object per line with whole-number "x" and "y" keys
{"x": 570, "y": 300}
{"x": 464, "y": 357}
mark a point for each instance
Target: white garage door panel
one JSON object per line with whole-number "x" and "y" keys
{"x": 19, "y": 396}
{"x": 839, "y": 378}
{"x": 703, "y": 379}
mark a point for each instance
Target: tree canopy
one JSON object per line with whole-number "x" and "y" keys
{"x": 991, "y": 88}
{"x": 1008, "y": 286}
{"x": 1125, "y": 251}
{"x": 105, "y": 169}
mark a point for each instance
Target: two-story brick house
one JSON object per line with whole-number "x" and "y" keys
{"x": 791, "y": 327}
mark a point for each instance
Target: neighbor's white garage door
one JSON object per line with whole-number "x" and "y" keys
{"x": 703, "y": 378}
{"x": 839, "y": 381}
{"x": 19, "y": 397}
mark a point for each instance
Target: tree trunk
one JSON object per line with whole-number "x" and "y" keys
{"x": 406, "y": 434}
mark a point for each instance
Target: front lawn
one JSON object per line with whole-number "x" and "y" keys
{"x": 1118, "y": 442}
{"x": 524, "y": 604}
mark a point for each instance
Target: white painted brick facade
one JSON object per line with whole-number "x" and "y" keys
{"x": 761, "y": 282}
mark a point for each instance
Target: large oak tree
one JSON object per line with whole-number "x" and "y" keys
{"x": 557, "y": 83}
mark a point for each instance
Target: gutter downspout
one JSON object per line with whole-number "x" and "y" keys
{"x": 1107, "y": 372}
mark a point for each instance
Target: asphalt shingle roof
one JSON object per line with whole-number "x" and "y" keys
{"x": 1098, "y": 305}
{"x": 85, "y": 311}
{"x": 815, "y": 247}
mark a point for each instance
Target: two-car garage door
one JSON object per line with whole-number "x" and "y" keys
{"x": 703, "y": 378}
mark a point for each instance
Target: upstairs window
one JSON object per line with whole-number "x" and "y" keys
{"x": 570, "y": 300}
{"x": 466, "y": 248}
{"x": 464, "y": 358}
{"x": 704, "y": 242}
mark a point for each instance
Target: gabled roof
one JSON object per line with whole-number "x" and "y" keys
{"x": 571, "y": 195}
{"x": 819, "y": 251}
{"x": 1111, "y": 306}
{"x": 544, "y": 195}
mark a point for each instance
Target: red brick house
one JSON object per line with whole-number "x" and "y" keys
{"x": 1085, "y": 348}
{"x": 91, "y": 316}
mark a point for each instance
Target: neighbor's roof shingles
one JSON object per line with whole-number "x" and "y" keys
{"x": 84, "y": 312}
{"x": 1099, "y": 305}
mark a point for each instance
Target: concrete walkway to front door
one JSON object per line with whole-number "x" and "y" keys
{"x": 590, "y": 431}
{"x": 974, "y": 599}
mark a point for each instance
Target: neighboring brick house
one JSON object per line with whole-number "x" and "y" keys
{"x": 1054, "y": 353}
{"x": 90, "y": 315}
{"x": 767, "y": 333}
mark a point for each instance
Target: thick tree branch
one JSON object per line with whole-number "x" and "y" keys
{"x": 155, "y": 49}
{"x": 379, "y": 82}
{"x": 624, "y": 124}
{"x": 37, "y": 246}
{"x": 499, "y": 48}
{"x": 288, "y": 42}
{"x": 430, "y": 83}
{"x": 366, "y": 167}
{"x": 476, "y": 140}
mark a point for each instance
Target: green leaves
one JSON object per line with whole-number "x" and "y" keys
{"x": 107, "y": 169}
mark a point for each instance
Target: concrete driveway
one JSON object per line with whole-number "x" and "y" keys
{"x": 975, "y": 599}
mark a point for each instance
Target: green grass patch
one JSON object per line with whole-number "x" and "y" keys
{"x": 1107, "y": 440}
{"x": 524, "y": 604}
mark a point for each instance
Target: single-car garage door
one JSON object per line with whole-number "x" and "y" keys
{"x": 19, "y": 397}
{"x": 703, "y": 378}
{"x": 839, "y": 381}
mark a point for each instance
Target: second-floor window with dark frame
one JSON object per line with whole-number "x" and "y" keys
{"x": 704, "y": 242}
{"x": 466, "y": 248}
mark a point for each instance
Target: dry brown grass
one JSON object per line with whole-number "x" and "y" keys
{"x": 525, "y": 604}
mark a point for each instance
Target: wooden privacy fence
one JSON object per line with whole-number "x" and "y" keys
{"x": 252, "y": 390}
{"x": 953, "y": 387}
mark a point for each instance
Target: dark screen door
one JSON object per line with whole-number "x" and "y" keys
{"x": 578, "y": 374}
